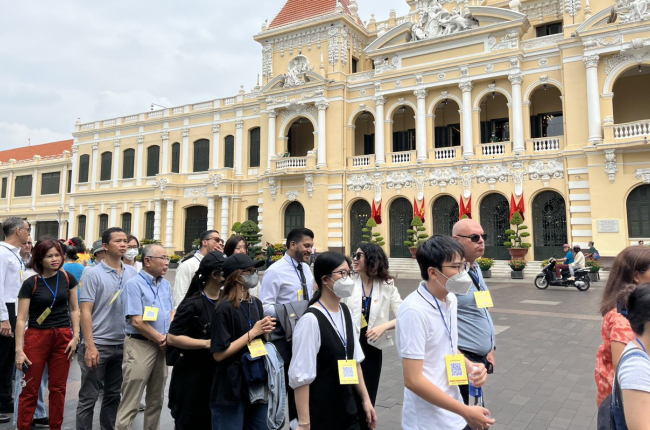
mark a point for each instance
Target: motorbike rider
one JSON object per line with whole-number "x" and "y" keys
{"x": 568, "y": 259}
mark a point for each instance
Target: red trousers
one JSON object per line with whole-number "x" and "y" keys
{"x": 45, "y": 346}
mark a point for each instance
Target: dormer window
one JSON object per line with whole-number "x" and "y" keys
{"x": 549, "y": 29}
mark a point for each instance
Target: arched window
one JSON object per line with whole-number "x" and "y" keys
{"x": 81, "y": 226}
{"x": 128, "y": 164}
{"x": 495, "y": 219}
{"x": 126, "y": 222}
{"x": 364, "y": 134}
{"x": 84, "y": 162}
{"x": 107, "y": 160}
{"x": 176, "y": 157}
{"x": 638, "y": 212}
{"x": 229, "y": 157}
{"x": 294, "y": 217}
{"x": 253, "y": 214}
{"x": 359, "y": 214}
{"x": 149, "y": 223}
{"x": 153, "y": 160}
{"x": 254, "y": 153}
{"x": 444, "y": 215}
{"x": 202, "y": 155}
{"x": 103, "y": 223}
{"x": 404, "y": 132}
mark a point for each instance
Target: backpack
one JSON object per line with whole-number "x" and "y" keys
{"x": 611, "y": 414}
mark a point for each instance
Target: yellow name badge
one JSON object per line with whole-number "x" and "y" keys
{"x": 456, "y": 371}
{"x": 348, "y": 372}
{"x": 115, "y": 296}
{"x": 150, "y": 314}
{"x": 364, "y": 323}
{"x": 44, "y": 315}
{"x": 21, "y": 276}
{"x": 483, "y": 299}
{"x": 300, "y": 295}
{"x": 257, "y": 348}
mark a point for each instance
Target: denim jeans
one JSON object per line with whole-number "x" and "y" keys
{"x": 240, "y": 417}
{"x": 40, "y": 405}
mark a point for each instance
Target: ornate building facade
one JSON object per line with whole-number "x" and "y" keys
{"x": 545, "y": 101}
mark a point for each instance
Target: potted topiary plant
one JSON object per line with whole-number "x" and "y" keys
{"x": 173, "y": 261}
{"x": 368, "y": 236}
{"x": 594, "y": 269}
{"x": 517, "y": 266}
{"x": 516, "y": 247}
{"x": 485, "y": 264}
{"x": 416, "y": 235}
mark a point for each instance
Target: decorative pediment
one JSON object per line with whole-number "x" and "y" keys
{"x": 599, "y": 19}
{"x": 294, "y": 77}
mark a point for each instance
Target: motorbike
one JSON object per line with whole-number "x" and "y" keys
{"x": 548, "y": 277}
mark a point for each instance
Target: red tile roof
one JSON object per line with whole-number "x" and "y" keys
{"x": 44, "y": 150}
{"x": 300, "y": 10}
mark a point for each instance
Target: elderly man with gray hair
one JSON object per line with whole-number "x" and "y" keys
{"x": 149, "y": 310}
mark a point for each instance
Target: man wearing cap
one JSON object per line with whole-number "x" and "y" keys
{"x": 210, "y": 241}
{"x": 148, "y": 309}
{"x": 568, "y": 259}
{"x": 99, "y": 253}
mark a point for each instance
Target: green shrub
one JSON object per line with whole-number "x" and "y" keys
{"x": 416, "y": 235}
{"x": 515, "y": 237}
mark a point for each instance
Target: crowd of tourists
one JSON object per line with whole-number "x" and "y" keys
{"x": 300, "y": 347}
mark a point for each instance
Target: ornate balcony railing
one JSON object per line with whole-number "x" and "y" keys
{"x": 445, "y": 153}
{"x": 361, "y": 161}
{"x": 545, "y": 144}
{"x": 291, "y": 163}
{"x": 497, "y": 148}
{"x": 401, "y": 157}
{"x": 632, "y": 129}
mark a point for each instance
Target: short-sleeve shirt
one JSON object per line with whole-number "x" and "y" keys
{"x": 569, "y": 257}
{"x": 616, "y": 328}
{"x": 634, "y": 372}
{"x": 229, "y": 323}
{"x": 43, "y": 298}
{"x": 142, "y": 291}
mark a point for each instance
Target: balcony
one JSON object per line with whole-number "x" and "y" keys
{"x": 629, "y": 132}
{"x": 361, "y": 161}
{"x": 491, "y": 150}
{"x": 545, "y": 144}
{"x": 293, "y": 164}
{"x": 449, "y": 153}
{"x": 400, "y": 157}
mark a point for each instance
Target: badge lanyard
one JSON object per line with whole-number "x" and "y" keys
{"x": 345, "y": 344}
{"x": 367, "y": 300}
{"x": 155, "y": 293}
{"x": 642, "y": 346}
{"x": 208, "y": 298}
{"x": 197, "y": 258}
{"x": 478, "y": 287}
{"x": 448, "y": 327}
{"x": 20, "y": 261}
{"x": 54, "y": 293}
{"x": 297, "y": 272}
{"x": 248, "y": 316}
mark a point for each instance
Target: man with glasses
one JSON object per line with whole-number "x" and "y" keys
{"x": 476, "y": 338}
{"x": 12, "y": 269}
{"x": 148, "y": 310}
{"x": 210, "y": 241}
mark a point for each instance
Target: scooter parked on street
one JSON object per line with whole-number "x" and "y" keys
{"x": 548, "y": 277}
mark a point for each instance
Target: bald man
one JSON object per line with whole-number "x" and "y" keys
{"x": 476, "y": 338}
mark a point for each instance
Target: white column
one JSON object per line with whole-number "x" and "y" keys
{"x": 593, "y": 98}
{"x": 75, "y": 167}
{"x": 112, "y": 222}
{"x": 210, "y": 212}
{"x": 216, "y": 145}
{"x": 135, "y": 220}
{"x": 90, "y": 227}
{"x": 139, "y": 161}
{"x": 225, "y": 211}
{"x": 165, "y": 152}
{"x": 116, "y": 162}
{"x": 95, "y": 165}
{"x": 380, "y": 149}
{"x": 169, "y": 225}
{"x": 63, "y": 185}
{"x": 322, "y": 133}
{"x": 185, "y": 151}
{"x": 34, "y": 181}
{"x": 34, "y": 233}
{"x": 239, "y": 153}
{"x": 157, "y": 218}
{"x": 10, "y": 187}
{"x": 272, "y": 113}
{"x": 72, "y": 227}
{"x": 421, "y": 124}
{"x": 518, "y": 145}
{"x": 467, "y": 133}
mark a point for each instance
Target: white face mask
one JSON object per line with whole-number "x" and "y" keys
{"x": 250, "y": 281}
{"x": 130, "y": 254}
{"x": 343, "y": 287}
{"x": 458, "y": 284}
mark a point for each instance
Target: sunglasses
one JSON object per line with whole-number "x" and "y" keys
{"x": 475, "y": 237}
{"x": 357, "y": 256}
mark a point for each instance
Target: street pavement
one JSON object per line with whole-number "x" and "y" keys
{"x": 544, "y": 375}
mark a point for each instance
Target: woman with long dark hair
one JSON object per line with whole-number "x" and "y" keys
{"x": 374, "y": 296}
{"x": 630, "y": 267}
{"x": 235, "y": 245}
{"x": 189, "y": 389}
{"x": 73, "y": 262}
{"x": 48, "y": 301}
{"x": 238, "y": 320}
{"x": 325, "y": 347}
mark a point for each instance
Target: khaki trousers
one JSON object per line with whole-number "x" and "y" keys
{"x": 143, "y": 366}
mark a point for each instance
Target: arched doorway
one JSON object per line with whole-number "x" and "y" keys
{"x": 638, "y": 212}
{"x": 404, "y": 129}
{"x": 444, "y": 215}
{"x": 549, "y": 225}
{"x": 294, "y": 217}
{"x": 631, "y": 93}
{"x": 546, "y": 117}
{"x": 495, "y": 118}
{"x": 364, "y": 134}
{"x": 359, "y": 214}
{"x": 300, "y": 137}
{"x": 400, "y": 216}
{"x": 495, "y": 220}
{"x": 447, "y": 124}
{"x": 196, "y": 222}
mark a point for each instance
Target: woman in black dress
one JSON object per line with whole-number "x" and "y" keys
{"x": 189, "y": 389}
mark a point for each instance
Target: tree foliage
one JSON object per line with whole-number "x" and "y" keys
{"x": 416, "y": 234}
{"x": 369, "y": 237}
{"x": 515, "y": 237}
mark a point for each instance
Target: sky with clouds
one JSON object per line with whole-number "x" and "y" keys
{"x": 64, "y": 59}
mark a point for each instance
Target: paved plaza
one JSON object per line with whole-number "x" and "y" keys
{"x": 544, "y": 375}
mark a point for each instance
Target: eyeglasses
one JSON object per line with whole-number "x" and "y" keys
{"x": 29, "y": 243}
{"x": 29, "y": 229}
{"x": 250, "y": 271}
{"x": 218, "y": 239}
{"x": 132, "y": 247}
{"x": 357, "y": 256}
{"x": 475, "y": 237}
{"x": 164, "y": 258}
{"x": 461, "y": 267}
{"x": 346, "y": 273}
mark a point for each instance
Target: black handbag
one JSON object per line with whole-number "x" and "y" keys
{"x": 288, "y": 315}
{"x": 254, "y": 369}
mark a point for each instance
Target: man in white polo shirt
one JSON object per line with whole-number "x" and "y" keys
{"x": 427, "y": 343}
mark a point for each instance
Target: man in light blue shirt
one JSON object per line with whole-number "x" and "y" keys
{"x": 148, "y": 310}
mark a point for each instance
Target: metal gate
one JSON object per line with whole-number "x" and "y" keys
{"x": 294, "y": 217}
{"x": 401, "y": 215}
{"x": 495, "y": 220}
{"x": 48, "y": 229}
{"x": 359, "y": 214}
{"x": 549, "y": 225}
{"x": 444, "y": 215}
{"x": 196, "y": 222}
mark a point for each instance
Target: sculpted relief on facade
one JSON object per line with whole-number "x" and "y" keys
{"x": 632, "y": 10}
{"x": 434, "y": 20}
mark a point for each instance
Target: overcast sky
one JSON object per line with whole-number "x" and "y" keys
{"x": 62, "y": 59}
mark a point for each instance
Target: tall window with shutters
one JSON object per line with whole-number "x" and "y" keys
{"x": 23, "y": 186}
{"x": 229, "y": 148}
{"x": 254, "y": 152}
{"x": 50, "y": 183}
{"x": 202, "y": 155}
{"x": 176, "y": 157}
{"x": 106, "y": 166}
{"x": 126, "y": 222}
{"x": 149, "y": 222}
{"x": 84, "y": 163}
{"x": 153, "y": 160}
{"x": 81, "y": 226}
{"x": 128, "y": 164}
{"x": 3, "y": 195}
{"x": 103, "y": 223}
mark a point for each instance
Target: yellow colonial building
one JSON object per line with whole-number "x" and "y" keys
{"x": 546, "y": 100}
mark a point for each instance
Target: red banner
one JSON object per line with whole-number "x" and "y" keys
{"x": 465, "y": 209}
{"x": 418, "y": 212}
{"x": 517, "y": 207}
{"x": 376, "y": 212}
